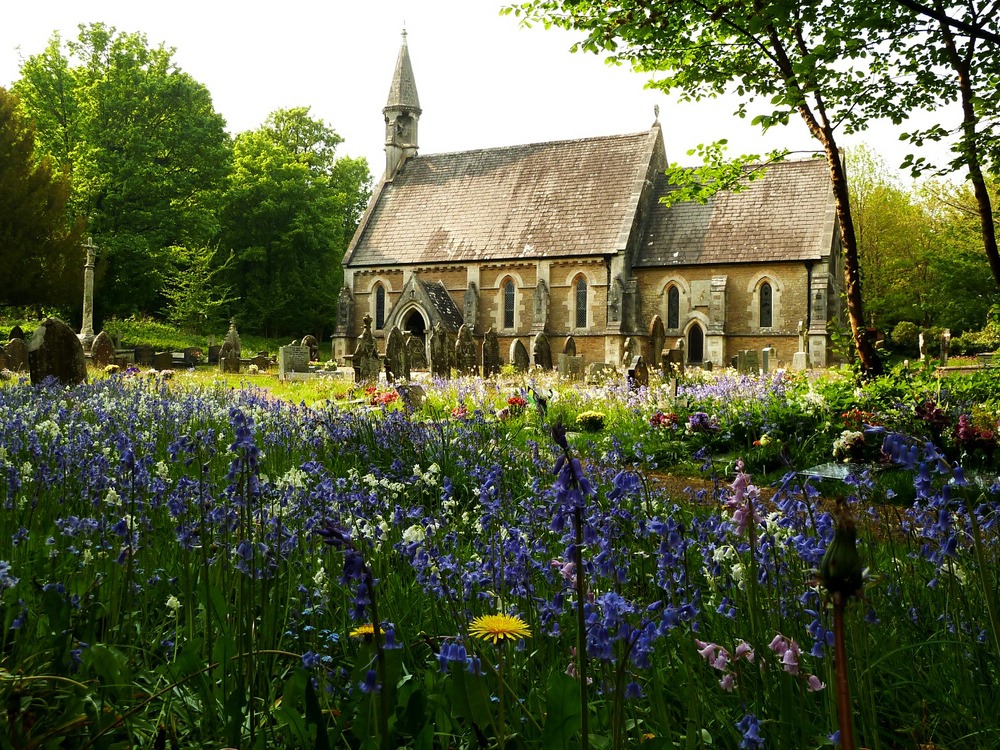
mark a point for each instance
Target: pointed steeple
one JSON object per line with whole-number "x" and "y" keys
{"x": 402, "y": 112}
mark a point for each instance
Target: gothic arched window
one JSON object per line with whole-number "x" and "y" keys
{"x": 581, "y": 302}
{"x": 673, "y": 307}
{"x": 508, "y": 304}
{"x": 379, "y": 306}
{"x": 766, "y": 306}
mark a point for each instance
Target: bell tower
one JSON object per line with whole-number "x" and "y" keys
{"x": 402, "y": 112}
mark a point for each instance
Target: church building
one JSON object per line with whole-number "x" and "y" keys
{"x": 570, "y": 239}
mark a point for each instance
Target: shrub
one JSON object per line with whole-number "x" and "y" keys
{"x": 590, "y": 421}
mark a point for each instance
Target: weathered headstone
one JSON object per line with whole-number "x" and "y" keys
{"x": 229, "y": 360}
{"x": 366, "y": 360}
{"x": 541, "y": 308}
{"x": 945, "y": 345}
{"x": 570, "y": 366}
{"x": 751, "y": 362}
{"x": 672, "y": 388}
{"x": 3, "y": 359}
{"x": 416, "y": 352}
{"x": 491, "y": 353}
{"x": 768, "y": 359}
{"x": 637, "y": 375}
{"x": 102, "y": 351}
{"x": 292, "y": 359}
{"x": 657, "y": 339}
{"x": 413, "y": 395}
{"x": 313, "y": 344}
{"x": 163, "y": 361}
{"x": 55, "y": 351}
{"x": 519, "y": 356}
{"x": 17, "y": 333}
{"x": 569, "y": 348}
{"x": 541, "y": 353}
{"x": 465, "y": 352}
{"x": 397, "y": 360}
{"x": 471, "y": 306}
{"x": 233, "y": 338}
{"x": 261, "y": 362}
{"x": 706, "y": 365}
{"x": 440, "y": 359}
{"x": 213, "y": 354}
{"x": 800, "y": 361}
{"x": 599, "y": 372}
{"x": 144, "y": 354}
{"x": 17, "y": 355}
{"x": 673, "y": 363}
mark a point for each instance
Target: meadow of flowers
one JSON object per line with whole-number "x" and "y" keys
{"x": 185, "y": 563}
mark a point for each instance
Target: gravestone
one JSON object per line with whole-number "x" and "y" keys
{"x": 416, "y": 352}
{"x": 672, "y": 389}
{"x": 491, "y": 354}
{"x": 707, "y": 365}
{"x": 3, "y": 359}
{"x": 599, "y": 372}
{"x": 56, "y": 351}
{"x": 570, "y": 367}
{"x": 413, "y": 395}
{"x": 213, "y": 354}
{"x": 638, "y": 374}
{"x": 229, "y": 360}
{"x": 233, "y": 338}
{"x": 16, "y": 333}
{"x": 673, "y": 363}
{"x": 768, "y": 359}
{"x": 945, "y": 345}
{"x": 802, "y": 337}
{"x": 144, "y": 355}
{"x": 313, "y": 344}
{"x": 17, "y": 355}
{"x": 541, "y": 353}
{"x": 261, "y": 362}
{"x": 163, "y": 361}
{"x": 519, "y": 356}
{"x": 102, "y": 351}
{"x": 748, "y": 363}
{"x": 366, "y": 360}
{"x": 800, "y": 361}
{"x": 541, "y": 308}
{"x": 657, "y": 339}
{"x": 471, "y": 315}
{"x": 922, "y": 345}
{"x": 292, "y": 359}
{"x": 569, "y": 348}
{"x": 192, "y": 356}
{"x": 440, "y": 358}
{"x": 465, "y": 352}
{"x": 397, "y": 363}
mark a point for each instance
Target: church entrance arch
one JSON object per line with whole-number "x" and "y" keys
{"x": 695, "y": 344}
{"x": 415, "y": 323}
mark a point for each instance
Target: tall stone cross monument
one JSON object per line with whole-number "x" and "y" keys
{"x": 86, "y": 335}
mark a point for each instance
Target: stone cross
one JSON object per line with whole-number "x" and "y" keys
{"x": 802, "y": 335}
{"x": 87, "y": 330}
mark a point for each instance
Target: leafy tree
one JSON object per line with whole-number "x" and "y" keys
{"x": 197, "y": 300}
{"x": 824, "y": 62}
{"x": 146, "y": 150}
{"x": 41, "y": 259}
{"x": 289, "y": 212}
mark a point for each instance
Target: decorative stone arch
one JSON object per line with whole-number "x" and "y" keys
{"x": 683, "y": 303}
{"x": 695, "y": 333}
{"x": 757, "y": 288}
{"x": 503, "y": 300}
{"x": 570, "y": 281}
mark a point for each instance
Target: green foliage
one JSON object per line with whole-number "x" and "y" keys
{"x": 145, "y": 148}
{"x": 289, "y": 212}
{"x": 40, "y": 255}
{"x": 197, "y": 301}
{"x": 905, "y": 335}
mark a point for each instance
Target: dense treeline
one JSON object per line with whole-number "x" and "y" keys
{"x": 193, "y": 225}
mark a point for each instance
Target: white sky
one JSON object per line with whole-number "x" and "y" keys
{"x": 483, "y": 80}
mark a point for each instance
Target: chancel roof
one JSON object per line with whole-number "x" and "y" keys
{"x": 788, "y": 214}
{"x": 558, "y": 199}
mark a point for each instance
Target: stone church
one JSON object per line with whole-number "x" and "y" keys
{"x": 570, "y": 239}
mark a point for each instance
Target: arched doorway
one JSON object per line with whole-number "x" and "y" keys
{"x": 415, "y": 324}
{"x": 696, "y": 344}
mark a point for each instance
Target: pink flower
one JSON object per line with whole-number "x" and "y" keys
{"x": 728, "y": 682}
{"x": 814, "y": 685}
{"x": 743, "y": 650}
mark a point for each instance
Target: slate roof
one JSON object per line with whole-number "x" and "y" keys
{"x": 788, "y": 214}
{"x": 558, "y": 199}
{"x": 451, "y": 316}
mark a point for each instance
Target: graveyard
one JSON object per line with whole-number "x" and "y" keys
{"x": 487, "y": 553}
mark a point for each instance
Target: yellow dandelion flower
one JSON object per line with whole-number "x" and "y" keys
{"x": 496, "y": 628}
{"x": 363, "y": 631}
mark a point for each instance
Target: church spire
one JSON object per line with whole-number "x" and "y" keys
{"x": 402, "y": 111}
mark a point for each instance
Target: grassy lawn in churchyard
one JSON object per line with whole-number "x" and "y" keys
{"x": 212, "y": 561}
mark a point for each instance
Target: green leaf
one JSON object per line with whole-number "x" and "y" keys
{"x": 563, "y": 720}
